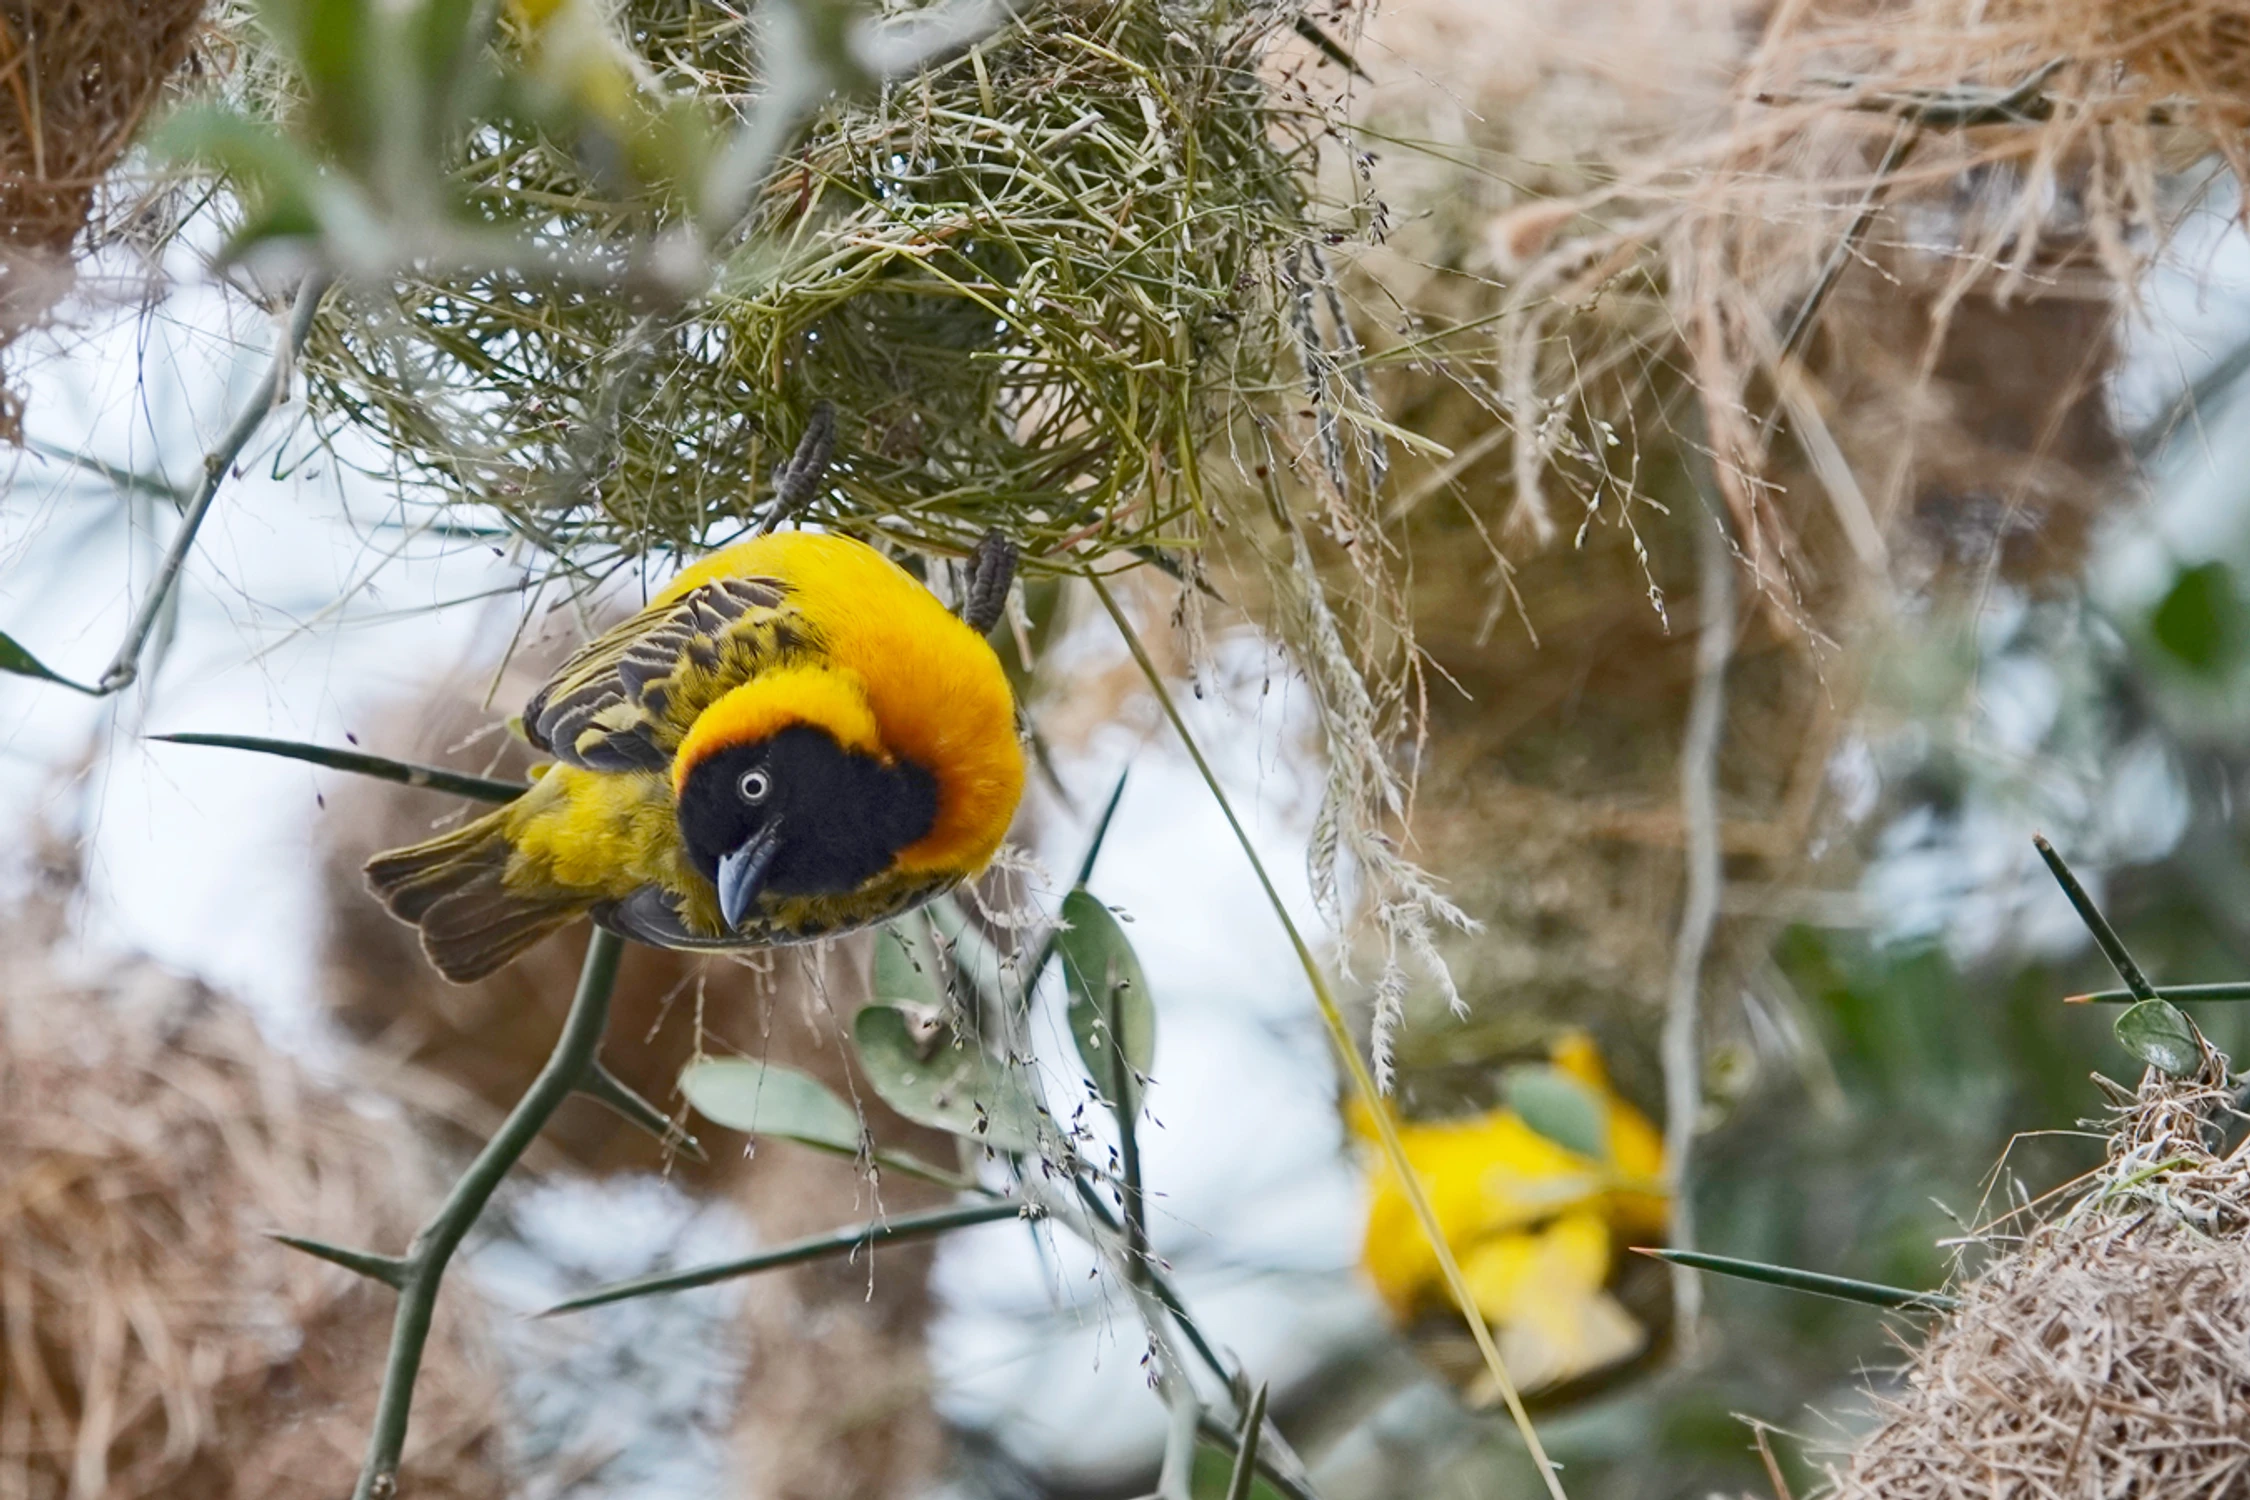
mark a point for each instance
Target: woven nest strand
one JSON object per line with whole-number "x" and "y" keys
{"x": 2102, "y": 1354}
{"x": 1026, "y": 279}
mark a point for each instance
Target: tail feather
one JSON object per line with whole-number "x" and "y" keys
{"x": 453, "y": 887}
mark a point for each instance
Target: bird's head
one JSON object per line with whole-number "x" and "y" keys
{"x": 784, "y": 787}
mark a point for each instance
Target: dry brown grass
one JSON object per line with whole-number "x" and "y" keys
{"x": 2100, "y": 1352}
{"x": 155, "y": 1343}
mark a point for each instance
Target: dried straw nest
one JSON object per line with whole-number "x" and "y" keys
{"x": 1031, "y": 280}
{"x": 2101, "y": 1352}
{"x": 157, "y": 1343}
{"x": 79, "y": 77}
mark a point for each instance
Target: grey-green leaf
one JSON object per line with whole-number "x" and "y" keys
{"x": 14, "y": 659}
{"x": 765, "y": 1098}
{"x": 939, "y": 1080}
{"x": 1561, "y": 1108}
{"x": 1110, "y": 1009}
{"x": 2156, "y": 1032}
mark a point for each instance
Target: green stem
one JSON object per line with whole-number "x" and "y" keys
{"x": 426, "y": 1260}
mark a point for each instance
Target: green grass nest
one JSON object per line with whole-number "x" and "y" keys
{"x": 1034, "y": 281}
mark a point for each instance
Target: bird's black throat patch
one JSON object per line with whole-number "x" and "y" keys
{"x": 843, "y": 816}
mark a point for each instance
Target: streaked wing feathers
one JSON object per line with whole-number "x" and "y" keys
{"x": 625, "y": 699}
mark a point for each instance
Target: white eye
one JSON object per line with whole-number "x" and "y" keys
{"x": 754, "y": 786}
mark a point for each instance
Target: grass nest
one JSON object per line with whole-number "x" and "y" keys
{"x": 2100, "y": 1352}
{"x": 1032, "y": 280}
{"x": 158, "y": 1343}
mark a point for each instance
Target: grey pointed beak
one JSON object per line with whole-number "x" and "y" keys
{"x": 742, "y": 875}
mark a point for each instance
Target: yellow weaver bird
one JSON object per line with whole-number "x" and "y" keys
{"x": 1534, "y": 1225}
{"x": 794, "y": 739}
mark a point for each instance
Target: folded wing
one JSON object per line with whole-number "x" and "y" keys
{"x": 625, "y": 700}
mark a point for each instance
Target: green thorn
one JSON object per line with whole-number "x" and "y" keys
{"x": 816, "y": 1247}
{"x": 606, "y": 1088}
{"x": 2105, "y": 936}
{"x": 1101, "y": 828}
{"x": 1246, "y": 1455}
{"x": 388, "y": 1269}
{"x": 1867, "y": 1293}
{"x": 1049, "y": 946}
{"x": 405, "y": 773}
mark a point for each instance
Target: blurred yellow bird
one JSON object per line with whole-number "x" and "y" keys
{"x": 792, "y": 740}
{"x": 1533, "y": 1224}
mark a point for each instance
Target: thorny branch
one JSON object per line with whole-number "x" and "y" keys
{"x": 422, "y": 1270}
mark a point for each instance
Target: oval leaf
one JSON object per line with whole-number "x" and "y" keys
{"x": 1560, "y": 1108}
{"x": 2158, "y": 1034}
{"x": 935, "y": 1079}
{"x": 1111, "y": 1015}
{"x": 763, "y": 1098}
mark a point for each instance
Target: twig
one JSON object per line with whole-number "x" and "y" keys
{"x": 125, "y": 669}
{"x": 424, "y": 1266}
{"x": 1699, "y": 910}
{"x": 1363, "y": 1082}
